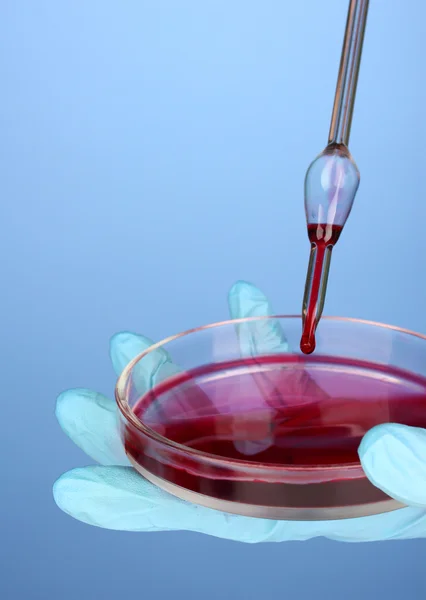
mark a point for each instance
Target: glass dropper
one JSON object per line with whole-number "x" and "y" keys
{"x": 333, "y": 178}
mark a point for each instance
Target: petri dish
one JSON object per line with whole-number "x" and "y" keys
{"x": 234, "y": 417}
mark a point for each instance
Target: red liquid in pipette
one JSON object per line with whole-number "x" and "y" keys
{"x": 323, "y": 237}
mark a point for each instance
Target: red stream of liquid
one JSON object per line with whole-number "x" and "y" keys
{"x": 322, "y": 237}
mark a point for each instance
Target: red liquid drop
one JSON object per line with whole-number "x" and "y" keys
{"x": 275, "y": 410}
{"x": 307, "y": 343}
{"x": 322, "y": 237}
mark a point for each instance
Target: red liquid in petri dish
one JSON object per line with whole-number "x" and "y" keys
{"x": 279, "y": 411}
{"x": 323, "y": 237}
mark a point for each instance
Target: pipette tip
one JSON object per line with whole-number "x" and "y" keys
{"x": 307, "y": 344}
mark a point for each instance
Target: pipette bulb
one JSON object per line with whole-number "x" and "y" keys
{"x": 331, "y": 184}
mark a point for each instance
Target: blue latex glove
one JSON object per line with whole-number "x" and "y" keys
{"x": 114, "y": 496}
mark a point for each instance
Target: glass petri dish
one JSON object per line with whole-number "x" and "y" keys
{"x": 234, "y": 417}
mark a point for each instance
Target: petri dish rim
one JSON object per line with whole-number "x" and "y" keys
{"x": 129, "y": 415}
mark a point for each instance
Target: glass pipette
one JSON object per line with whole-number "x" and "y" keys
{"x": 332, "y": 179}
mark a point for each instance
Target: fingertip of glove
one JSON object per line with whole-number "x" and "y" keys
{"x": 67, "y": 399}
{"x": 61, "y": 491}
{"x": 245, "y": 300}
{"x": 392, "y": 457}
{"x": 113, "y": 498}
{"x": 120, "y": 340}
{"x": 121, "y": 337}
{"x": 385, "y": 438}
{"x": 371, "y": 449}
{"x": 69, "y": 498}
{"x": 241, "y": 286}
{"x": 125, "y": 346}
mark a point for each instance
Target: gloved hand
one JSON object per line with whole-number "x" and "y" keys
{"x": 114, "y": 496}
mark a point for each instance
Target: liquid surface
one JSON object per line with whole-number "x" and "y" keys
{"x": 322, "y": 237}
{"x": 283, "y": 409}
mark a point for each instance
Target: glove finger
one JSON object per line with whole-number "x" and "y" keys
{"x": 90, "y": 420}
{"x": 258, "y": 337}
{"x": 118, "y": 498}
{"x": 153, "y": 368}
{"x": 150, "y": 370}
{"x": 394, "y": 459}
{"x": 110, "y": 497}
{"x": 262, "y": 337}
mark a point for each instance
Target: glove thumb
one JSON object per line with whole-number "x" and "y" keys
{"x": 394, "y": 459}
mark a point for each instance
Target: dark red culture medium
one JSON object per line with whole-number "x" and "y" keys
{"x": 288, "y": 411}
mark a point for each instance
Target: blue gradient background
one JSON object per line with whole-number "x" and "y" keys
{"x": 152, "y": 153}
